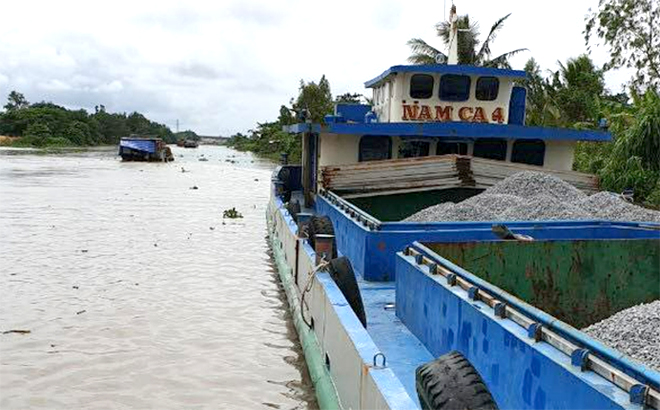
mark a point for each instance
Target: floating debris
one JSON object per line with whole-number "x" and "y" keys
{"x": 81, "y": 312}
{"x": 231, "y": 213}
{"x": 194, "y": 187}
{"x": 17, "y": 331}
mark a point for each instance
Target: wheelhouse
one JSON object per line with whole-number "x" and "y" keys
{"x": 426, "y": 111}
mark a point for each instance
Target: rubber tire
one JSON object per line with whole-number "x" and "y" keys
{"x": 341, "y": 271}
{"x": 321, "y": 224}
{"x": 294, "y": 209}
{"x": 451, "y": 383}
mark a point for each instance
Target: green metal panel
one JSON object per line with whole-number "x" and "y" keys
{"x": 578, "y": 281}
{"x": 395, "y": 207}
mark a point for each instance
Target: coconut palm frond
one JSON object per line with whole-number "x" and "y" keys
{"x": 502, "y": 61}
{"x": 484, "y": 51}
{"x": 423, "y": 53}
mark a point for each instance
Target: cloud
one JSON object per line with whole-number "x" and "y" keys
{"x": 219, "y": 67}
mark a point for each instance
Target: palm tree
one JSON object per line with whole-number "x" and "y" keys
{"x": 469, "y": 51}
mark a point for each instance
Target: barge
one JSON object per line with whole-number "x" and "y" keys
{"x": 144, "y": 149}
{"x": 403, "y": 315}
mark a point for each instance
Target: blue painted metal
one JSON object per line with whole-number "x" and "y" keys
{"x": 615, "y": 357}
{"x": 454, "y": 130}
{"x": 301, "y": 127}
{"x": 519, "y": 372}
{"x": 534, "y": 331}
{"x": 473, "y": 292}
{"x": 469, "y": 130}
{"x": 638, "y": 394}
{"x": 451, "y": 279}
{"x": 500, "y": 309}
{"x": 579, "y": 358}
{"x": 517, "y": 106}
{"x": 352, "y": 112}
{"x": 445, "y": 69}
{"x": 404, "y": 351}
{"x": 372, "y": 252}
{"x": 143, "y": 145}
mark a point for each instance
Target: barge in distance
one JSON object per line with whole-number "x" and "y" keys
{"x": 144, "y": 149}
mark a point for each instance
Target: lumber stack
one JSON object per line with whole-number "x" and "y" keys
{"x": 432, "y": 173}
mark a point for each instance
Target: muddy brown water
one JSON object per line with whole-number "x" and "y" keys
{"x": 135, "y": 291}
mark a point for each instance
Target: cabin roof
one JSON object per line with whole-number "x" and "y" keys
{"x": 453, "y": 130}
{"x": 445, "y": 69}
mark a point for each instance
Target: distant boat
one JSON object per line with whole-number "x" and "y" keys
{"x": 190, "y": 144}
{"x": 144, "y": 149}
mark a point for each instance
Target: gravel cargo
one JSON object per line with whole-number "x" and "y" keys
{"x": 535, "y": 196}
{"x": 633, "y": 331}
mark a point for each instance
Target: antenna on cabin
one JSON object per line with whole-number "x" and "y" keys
{"x": 452, "y": 56}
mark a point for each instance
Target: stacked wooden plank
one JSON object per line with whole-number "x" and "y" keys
{"x": 416, "y": 174}
{"x": 432, "y": 173}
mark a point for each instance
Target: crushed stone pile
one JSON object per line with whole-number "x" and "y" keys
{"x": 633, "y": 331}
{"x": 496, "y": 203}
{"x": 608, "y": 205}
{"x": 545, "y": 208}
{"x": 528, "y": 184}
{"x": 535, "y": 196}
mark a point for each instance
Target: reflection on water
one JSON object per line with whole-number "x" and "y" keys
{"x": 136, "y": 293}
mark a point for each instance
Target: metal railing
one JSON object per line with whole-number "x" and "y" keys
{"x": 581, "y": 357}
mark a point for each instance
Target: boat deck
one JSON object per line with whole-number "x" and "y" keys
{"x": 403, "y": 351}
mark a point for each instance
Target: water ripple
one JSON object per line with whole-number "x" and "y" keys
{"x": 137, "y": 293}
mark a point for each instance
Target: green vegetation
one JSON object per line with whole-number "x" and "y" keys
{"x": 469, "y": 51}
{"x": 314, "y": 102}
{"x": 231, "y": 213}
{"x": 46, "y": 124}
{"x": 575, "y": 97}
{"x": 631, "y": 28}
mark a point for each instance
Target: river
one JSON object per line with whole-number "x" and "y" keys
{"x": 135, "y": 291}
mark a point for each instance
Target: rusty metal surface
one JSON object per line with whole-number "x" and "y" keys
{"x": 579, "y": 282}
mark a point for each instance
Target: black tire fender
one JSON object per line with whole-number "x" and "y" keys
{"x": 293, "y": 207}
{"x": 450, "y": 382}
{"x": 341, "y": 271}
{"x": 320, "y": 224}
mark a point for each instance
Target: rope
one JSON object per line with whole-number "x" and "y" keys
{"x": 308, "y": 286}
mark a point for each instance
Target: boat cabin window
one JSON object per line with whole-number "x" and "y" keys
{"x": 421, "y": 86}
{"x": 528, "y": 152}
{"x": 410, "y": 149}
{"x": 454, "y": 87}
{"x": 490, "y": 148}
{"x": 487, "y": 88}
{"x": 444, "y": 148}
{"x": 374, "y": 148}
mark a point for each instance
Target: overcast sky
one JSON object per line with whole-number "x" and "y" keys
{"x": 218, "y": 67}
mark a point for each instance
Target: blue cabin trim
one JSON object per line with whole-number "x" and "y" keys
{"x": 445, "y": 69}
{"x": 517, "y": 106}
{"x": 468, "y": 130}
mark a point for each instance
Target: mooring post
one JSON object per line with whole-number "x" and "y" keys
{"x": 323, "y": 246}
{"x": 303, "y": 218}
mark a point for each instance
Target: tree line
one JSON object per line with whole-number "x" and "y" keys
{"x": 45, "y": 124}
{"x": 571, "y": 96}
